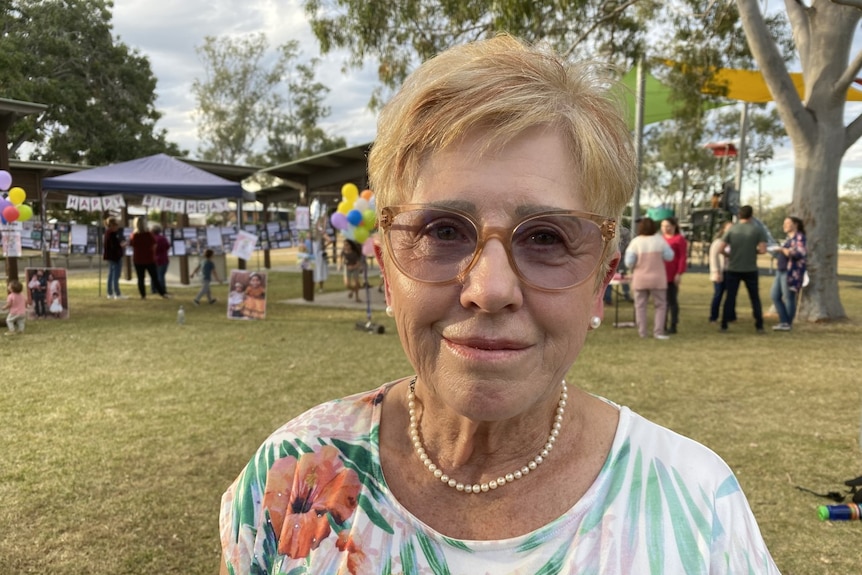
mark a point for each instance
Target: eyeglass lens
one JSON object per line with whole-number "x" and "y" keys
{"x": 552, "y": 251}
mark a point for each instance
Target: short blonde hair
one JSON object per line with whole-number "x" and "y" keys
{"x": 505, "y": 87}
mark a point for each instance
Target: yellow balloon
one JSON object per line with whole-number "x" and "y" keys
{"x": 17, "y": 196}
{"x": 343, "y": 207}
{"x": 349, "y": 192}
{"x": 25, "y": 212}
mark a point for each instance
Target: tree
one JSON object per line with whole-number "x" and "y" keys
{"x": 823, "y": 31}
{"x": 399, "y": 34}
{"x": 250, "y": 99}
{"x": 100, "y": 93}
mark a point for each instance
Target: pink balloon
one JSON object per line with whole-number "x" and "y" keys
{"x": 10, "y": 213}
{"x": 368, "y": 248}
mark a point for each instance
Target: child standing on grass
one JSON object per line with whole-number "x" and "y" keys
{"x": 208, "y": 271}
{"x": 16, "y": 305}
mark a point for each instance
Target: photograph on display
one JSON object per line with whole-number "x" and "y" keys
{"x": 47, "y": 297}
{"x": 247, "y": 296}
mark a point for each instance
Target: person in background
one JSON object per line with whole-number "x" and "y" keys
{"x": 318, "y": 251}
{"x": 625, "y": 238}
{"x": 674, "y": 269}
{"x": 486, "y": 456}
{"x": 745, "y": 239}
{"x": 645, "y": 257}
{"x": 113, "y": 250}
{"x": 15, "y": 307}
{"x": 208, "y": 272}
{"x": 163, "y": 260}
{"x": 790, "y": 271}
{"x": 717, "y": 265}
{"x": 353, "y": 262}
{"x": 143, "y": 244}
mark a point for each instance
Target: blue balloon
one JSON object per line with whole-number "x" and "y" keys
{"x": 354, "y": 217}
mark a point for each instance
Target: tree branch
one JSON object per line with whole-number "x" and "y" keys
{"x": 797, "y": 121}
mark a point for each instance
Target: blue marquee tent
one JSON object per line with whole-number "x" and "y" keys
{"x": 159, "y": 175}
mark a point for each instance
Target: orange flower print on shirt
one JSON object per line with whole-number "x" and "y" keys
{"x": 300, "y": 495}
{"x": 357, "y": 561}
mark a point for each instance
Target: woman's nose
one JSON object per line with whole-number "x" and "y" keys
{"x": 492, "y": 284}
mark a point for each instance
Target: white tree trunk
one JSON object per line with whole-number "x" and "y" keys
{"x": 823, "y": 33}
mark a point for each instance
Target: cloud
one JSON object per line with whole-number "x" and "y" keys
{"x": 167, "y": 33}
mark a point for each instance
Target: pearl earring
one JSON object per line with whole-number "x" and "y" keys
{"x": 595, "y": 322}
{"x": 389, "y": 311}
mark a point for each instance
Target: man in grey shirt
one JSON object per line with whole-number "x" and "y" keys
{"x": 744, "y": 240}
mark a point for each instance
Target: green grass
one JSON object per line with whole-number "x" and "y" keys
{"x": 120, "y": 429}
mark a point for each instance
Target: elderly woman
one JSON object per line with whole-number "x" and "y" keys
{"x": 499, "y": 170}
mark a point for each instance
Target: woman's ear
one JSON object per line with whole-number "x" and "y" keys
{"x": 599, "y": 299}
{"x": 378, "y": 255}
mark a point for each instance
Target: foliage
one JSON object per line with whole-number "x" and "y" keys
{"x": 121, "y": 430}
{"x": 249, "y": 97}
{"x": 850, "y": 215}
{"x": 100, "y": 93}
{"x": 401, "y": 34}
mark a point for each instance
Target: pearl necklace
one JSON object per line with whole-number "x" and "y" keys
{"x": 495, "y": 483}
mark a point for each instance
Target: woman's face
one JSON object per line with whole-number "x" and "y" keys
{"x": 789, "y": 226}
{"x": 254, "y": 281}
{"x": 491, "y": 346}
{"x": 667, "y": 228}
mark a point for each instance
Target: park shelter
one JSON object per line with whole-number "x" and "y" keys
{"x": 158, "y": 175}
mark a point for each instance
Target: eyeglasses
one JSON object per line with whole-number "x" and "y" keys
{"x": 551, "y": 251}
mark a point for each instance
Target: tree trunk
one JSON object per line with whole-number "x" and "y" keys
{"x": 815, "y": 201}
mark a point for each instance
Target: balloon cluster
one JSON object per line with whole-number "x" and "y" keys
{"x": 12, "y": 206}
{"x": 355, "y": 216}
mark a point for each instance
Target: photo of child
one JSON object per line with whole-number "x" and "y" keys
{"x": 247, "y": 299}
{"x": 46, "y": 293}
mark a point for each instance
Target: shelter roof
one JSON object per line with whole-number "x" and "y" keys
{"x": 321, "y": 175}
{"x": 159, "y": 174}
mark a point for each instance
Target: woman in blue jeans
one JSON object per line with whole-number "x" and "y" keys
{"x": 790, "y": 270}
{"x": 113, "y": 249}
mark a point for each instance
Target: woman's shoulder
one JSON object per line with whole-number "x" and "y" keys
{"x": 659, "y": 447}
{"x": 344, "y": 418}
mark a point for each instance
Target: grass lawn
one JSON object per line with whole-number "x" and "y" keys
{"x": 121, "y": 429}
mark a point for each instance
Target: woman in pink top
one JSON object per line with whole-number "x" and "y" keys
{"x": 645, "y": 257}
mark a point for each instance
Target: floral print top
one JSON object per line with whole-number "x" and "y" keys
{"x": 314, "y": 500}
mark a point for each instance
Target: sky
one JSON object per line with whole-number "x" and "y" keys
{"x": 168, "y": 32}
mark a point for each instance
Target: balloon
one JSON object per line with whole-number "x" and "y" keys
{"x": 366, "y": 195}
{"x": 349, "y": 192}
{"x": 354, "y": 217}
{"x": 360, "y": 235}
{"x": 369, "y": 217}
{"x": 339, "y": 221}
{"x": 360, "y": 204}
{"x": 10, "y": 213}
{"x": 5, "y": 180}
{"x": 4, "y": 203}
{"x": 368, "y": 247}
{"x": 17, "y": 196}
{"x": 348, "y": 232}
{"x": 25, "y": 212}
{"x": 343, "y": 207}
